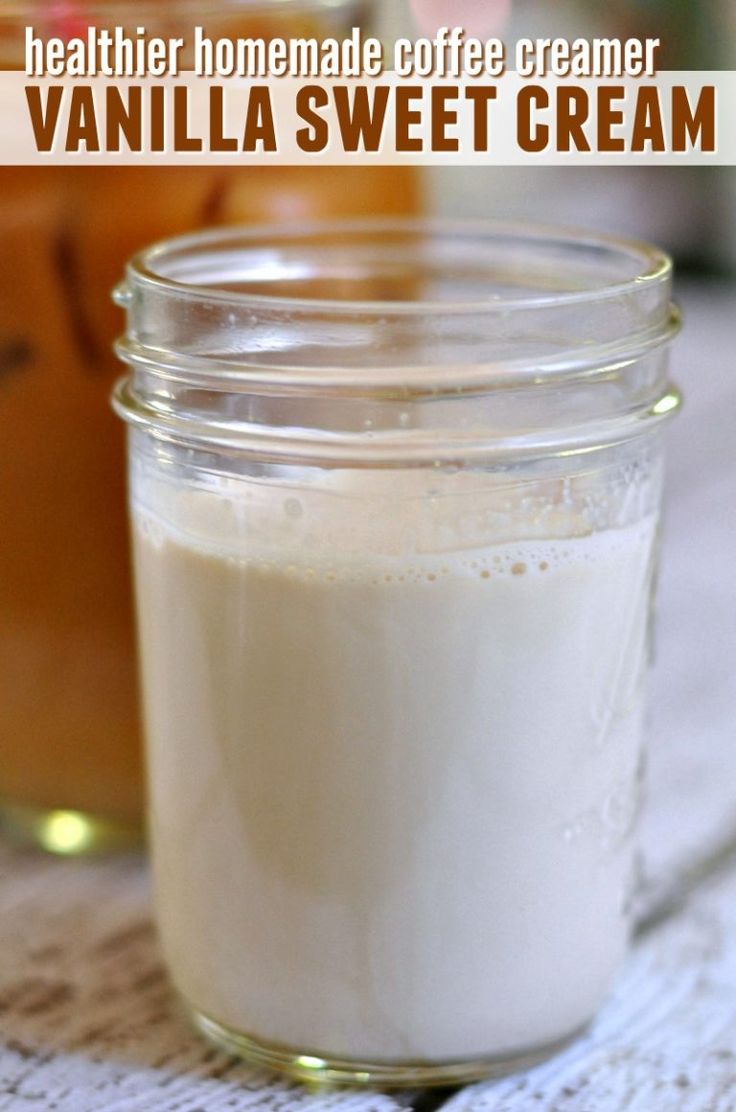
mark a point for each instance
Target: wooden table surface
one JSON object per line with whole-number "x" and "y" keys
{"x": 88, "y": 1021}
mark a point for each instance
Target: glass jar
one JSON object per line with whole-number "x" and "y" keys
{"x": 394, "y": 493}
{"x": 69, "y": 738}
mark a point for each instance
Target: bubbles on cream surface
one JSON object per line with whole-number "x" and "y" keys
{"x": 374, "y": 514}
{"x": 318, "y": 562}
{"x": 394, "y": 771}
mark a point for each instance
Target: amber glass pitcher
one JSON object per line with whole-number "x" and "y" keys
{"x": 70, "y": 775}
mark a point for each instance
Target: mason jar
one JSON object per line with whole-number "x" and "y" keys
{"x": 395, "y": 490}
{"x": 70, "y": 774}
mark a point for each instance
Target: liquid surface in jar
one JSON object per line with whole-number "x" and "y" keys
{"x": 392, "y": 795}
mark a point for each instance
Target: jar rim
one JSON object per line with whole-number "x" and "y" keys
{"x": 209, "y": 345}
{"x": 147, "y": 267}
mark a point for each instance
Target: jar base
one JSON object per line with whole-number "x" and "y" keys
{"x": 67, "y": 832}
{"x": 320, "y": 1071}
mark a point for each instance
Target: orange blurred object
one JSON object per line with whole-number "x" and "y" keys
{"x": 68, "y": 717}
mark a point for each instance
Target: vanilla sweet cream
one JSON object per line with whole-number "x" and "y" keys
{"x": 394, "y": 758}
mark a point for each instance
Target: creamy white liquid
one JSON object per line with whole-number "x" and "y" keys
{"x": 392, "y": 796}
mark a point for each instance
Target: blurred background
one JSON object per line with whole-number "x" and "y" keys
{"x": 689, "y": 210}
{"x": 70, "y": 774}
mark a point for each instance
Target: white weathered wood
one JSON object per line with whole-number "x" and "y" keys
{"x": 87, "y": 1019}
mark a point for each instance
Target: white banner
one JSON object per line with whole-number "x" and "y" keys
{"x": 676, "y": 118}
